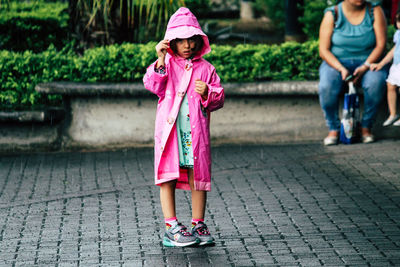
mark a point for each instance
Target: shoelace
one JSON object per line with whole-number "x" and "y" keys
{"x": 183, "y": 230}
{"x": 203, "y": 230}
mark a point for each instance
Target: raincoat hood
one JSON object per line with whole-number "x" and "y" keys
{"x": 183, "y": 24}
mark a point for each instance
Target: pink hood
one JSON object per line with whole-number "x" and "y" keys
{"x": 183, "y": 24}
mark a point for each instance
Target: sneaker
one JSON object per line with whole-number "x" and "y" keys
{"x": 390, "y": 120}
{"x": 200, "y": 231}
{"x": 397, "y": 123}
{"x": 179, "y": 236}
{"x": 331, "y": 140}
{"x": 366, "y": 139}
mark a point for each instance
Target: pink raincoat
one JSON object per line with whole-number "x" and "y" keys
{"x": 170, "y": 87}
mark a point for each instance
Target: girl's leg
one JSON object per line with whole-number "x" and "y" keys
{"x": 199, "y": 199}
{"x": 199, "y": 228}
{"x": 392, "y": 98}
{"x": 176, "y": 235}
{"x": 167, "y": 198}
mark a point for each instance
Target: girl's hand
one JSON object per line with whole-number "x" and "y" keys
{"x": 161, "y": 48}
{"x": 375, "y": 67}
{"x": 201, "y": 88}
{"x": 359, "y": 72}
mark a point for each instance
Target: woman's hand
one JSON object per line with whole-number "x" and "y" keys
{"x": 161, "y": 49}
{"x": 201, "y": 88}
{"x": 359, "y": 72}
{"x": 344, "y": 72}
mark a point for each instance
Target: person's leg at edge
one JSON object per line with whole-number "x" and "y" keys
{"x": 373, "y": 84}
{"x": 329, "y": 89}
{"x": 392, "y": 99}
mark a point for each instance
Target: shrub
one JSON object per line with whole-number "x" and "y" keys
{"x": 20, "y": 72}
{"x": 33, "y": 26}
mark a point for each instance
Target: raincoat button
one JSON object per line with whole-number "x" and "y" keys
{"x": 195, "y": 157}
{"x": 170, "y": 120}
{"x": 181, "y": 94}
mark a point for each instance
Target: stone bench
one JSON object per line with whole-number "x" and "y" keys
{"x": 123, "y": 114}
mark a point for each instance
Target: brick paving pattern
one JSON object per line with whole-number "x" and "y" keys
{"x": 270, "y": 205}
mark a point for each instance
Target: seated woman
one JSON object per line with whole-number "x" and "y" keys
{"x": 352, "y": 36}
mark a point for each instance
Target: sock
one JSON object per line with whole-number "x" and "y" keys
{"x": 170, "y": 222}
{"x": 196, "y": 221}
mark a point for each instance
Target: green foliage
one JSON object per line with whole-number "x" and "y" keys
{"x": 313, "y": 11}
{"x": 273, "y": 9}
{"x": 198, "y": 7}
{"x": 33, "y": 26}
{"x": 20, "y": 72}
{"x": 390, "y": 34}
{"x": 98, "y": 22}
{"x": 245, "y": 63}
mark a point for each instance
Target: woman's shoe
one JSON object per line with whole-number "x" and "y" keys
{"x": 367, "y": 136}
{"x": 331, "y": 140}
{"x": 389, "y": 121}
{"x": 366, "y": 139}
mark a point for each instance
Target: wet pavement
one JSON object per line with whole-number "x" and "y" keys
{"x": 270, "y": 205}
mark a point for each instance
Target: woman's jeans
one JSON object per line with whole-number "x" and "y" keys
{"x": 331, "y": 86}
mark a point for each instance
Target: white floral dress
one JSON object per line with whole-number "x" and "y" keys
{"x": 184, "y": 135}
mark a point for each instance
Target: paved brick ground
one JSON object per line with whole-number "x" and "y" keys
{"x": 271, "y": 205}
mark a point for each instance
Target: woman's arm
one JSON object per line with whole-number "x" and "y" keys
{"x": 325, "y": 35}
{"x": 380, "y": 35}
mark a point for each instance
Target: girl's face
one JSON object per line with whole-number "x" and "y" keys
{"x": 185, "y": 47}
{"x": 398, "y": 23}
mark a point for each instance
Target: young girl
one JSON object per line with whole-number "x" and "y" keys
{"x": 393, "y": 81}
{"x": 188, "y": 89}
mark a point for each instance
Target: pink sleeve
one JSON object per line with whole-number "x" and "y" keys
{"x": 216, "y": 95}
{"x": 155, "y": 82}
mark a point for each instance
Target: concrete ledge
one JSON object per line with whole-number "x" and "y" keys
{"x": 92, "y": 89}
{"x": 122, "y": 115}
{"x": 29, "y": 136}
{"x": 137, "y": 89}
{"x": 50, "y": 115}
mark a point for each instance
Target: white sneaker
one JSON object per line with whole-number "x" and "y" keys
{"x": 397, "y": 123}
{"x": 390, "y": 120}
{"x": 366, "y": 139}
{"x": 331, "y": 140}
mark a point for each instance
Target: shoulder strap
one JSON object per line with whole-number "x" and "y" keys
{"x": 336, "y": 13}
{"x": 370, "y": 10}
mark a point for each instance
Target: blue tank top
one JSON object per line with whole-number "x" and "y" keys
{"x": 396, "y": 40}
{"x": 352, "y": 41}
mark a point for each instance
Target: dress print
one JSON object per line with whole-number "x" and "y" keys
{"x": 184, "y": 135}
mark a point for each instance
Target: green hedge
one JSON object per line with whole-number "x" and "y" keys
{"x": 20, "y": 72}
{"x": 33, "y": 26}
